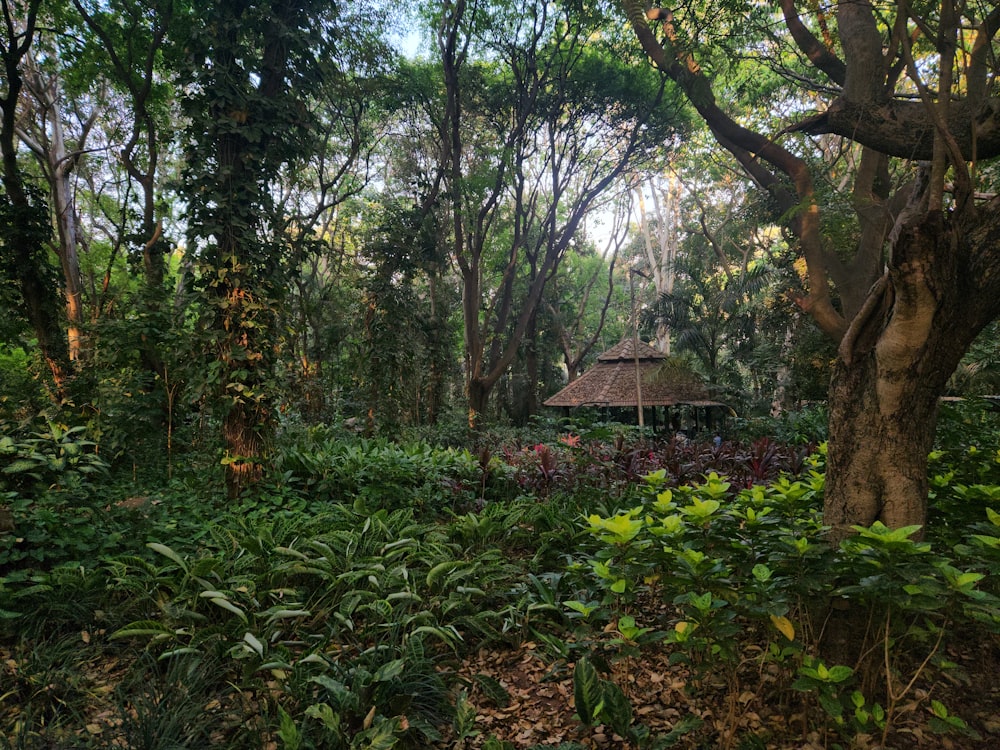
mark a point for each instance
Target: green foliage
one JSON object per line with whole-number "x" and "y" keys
{"x": 750, "y": 565}
{"x": 379, "y": 473}
{"x": 806, "y": 426}
{"x": 46, "y": 455}
{"x": 21, "y": 395}
{"x": 408, "y": 347}
{"x": 356, "y": 619}
{"x": 351, "y": 616}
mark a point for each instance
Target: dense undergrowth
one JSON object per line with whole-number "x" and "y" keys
{"x": 335, "y": 609}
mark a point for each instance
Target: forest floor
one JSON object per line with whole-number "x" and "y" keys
{"x": 734, "y": 709}
{"x": 532, "y": 704}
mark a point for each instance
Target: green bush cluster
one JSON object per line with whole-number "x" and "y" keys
{"x": 352, "y": 620}
{"x": 751, "y": 567}
{"x": 379, "y": 473}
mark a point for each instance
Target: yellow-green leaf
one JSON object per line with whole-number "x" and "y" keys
{"x": 784, "y": 626}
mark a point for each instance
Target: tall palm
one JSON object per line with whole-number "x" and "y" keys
{"x": 716, "y": 317}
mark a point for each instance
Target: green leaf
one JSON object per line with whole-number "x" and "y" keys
{"x": 580, "y": 607}
{"x": 251, "y": 640}
{"x": 493, "y": 689}
{"x": 464, "y": 722}
{"x": 839, "y": 673}
{"x": 619, "y": 529}
{"x": 701, "y": 509}
{"x": 283, "y": 614}
{"x": 228, "y": 605}
{"x": 939, "y": 709}
{"x": 439, "y": 570}
{"x": 326, "y": 715}
{"x": 381, "y": 737}
{"x": 168, "y": 553}
{"x": 588, "y": 693}
{"x": 664, "y": 502}
{"x": 143, "y": 627}
{"x": 831, "y": 705}
{"x": 617, "y": 711}
{"x": 288, "y": 733}
{"x": 389, "y": 671}
{"x": 20, "y": 465}
{"x": 343, "y": 699}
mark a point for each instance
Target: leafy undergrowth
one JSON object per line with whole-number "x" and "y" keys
{"x": 575, "y": 593}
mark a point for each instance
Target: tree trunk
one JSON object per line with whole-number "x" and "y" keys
{"x": 25, "y": 229}
{"x": 244, "y": 445}
{"x": 779, "y": 399}
{"x": 892, "y": 367}
{"x": 46, "y": 138}
{"x": 65, "y": 209}
{"x": 531, "y": 367}
{"x": 878, "y": 446}
{"x": 23, "y": 218}
{"x": 479, "y": 394}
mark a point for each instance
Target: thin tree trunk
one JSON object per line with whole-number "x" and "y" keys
{"x": 779, "y": 399}
{"x": 661, "y": 250}
{"x": 65, "y": 210}
{"x": 48, "y": 142}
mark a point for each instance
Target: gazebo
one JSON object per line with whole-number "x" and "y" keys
{"x": 632, "y": 373}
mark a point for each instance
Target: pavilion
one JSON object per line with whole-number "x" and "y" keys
{"x": 612, "y": 383}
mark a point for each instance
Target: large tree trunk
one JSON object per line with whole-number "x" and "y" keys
{"x": 893, "y": 366}
{"x": 880, "y": 435}
{"x": 479, "y": 394}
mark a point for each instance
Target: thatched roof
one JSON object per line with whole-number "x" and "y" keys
{"x": 612, "y": 382}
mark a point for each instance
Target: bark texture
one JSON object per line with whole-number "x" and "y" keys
{"x": 892, "y": 368}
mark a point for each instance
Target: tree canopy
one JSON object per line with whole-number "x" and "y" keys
{"x": 242, "y": 214}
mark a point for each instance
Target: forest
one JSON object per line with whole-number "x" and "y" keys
{"x": 284, "y": 287}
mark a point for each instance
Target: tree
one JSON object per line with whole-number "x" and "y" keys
{"x": 576, "y": 314}
{"x": 407, "y": 338}
{"x": 255, "y": 74}
{"x": 715, "y": 317}
{"x": 131, "y": 38}
{"x": 660, "y": 234}
{"x": 727, "y": 305}
{"x": 898, "y": 83}
{"x": 56, "y": 123}
{"x": 24, "y": 227}
{"x": 528, "y": 148}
